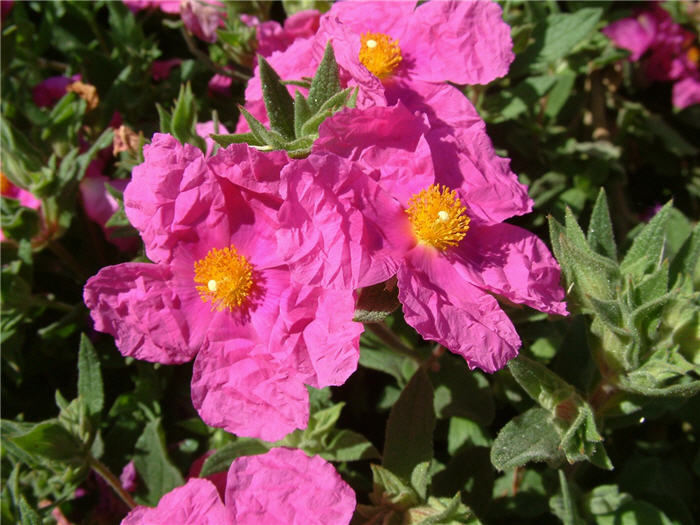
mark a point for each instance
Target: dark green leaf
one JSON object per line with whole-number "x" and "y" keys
{"x": 409, "y": 430}
{"x": 326, "y": 82}
{"x": 302, "y": 112}
{"x": 18, "y": 222}
{"x": 237, "y": 138}
{"x": 221, "y": 459}
{"x": 153, "y": 464}
{"x": 531, "y": 436}
{"x": 28, "y": 514}
{"x": 52, "y": 441}
{"x": 278, "y": 101}
{"x": 90, "y": 377}
{"x": 600, "y": 232}
{"x": 346, "y": 445}
{"x": 648, "y": 246}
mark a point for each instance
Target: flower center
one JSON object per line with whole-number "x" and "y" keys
{"x": 223, "y": 277}
{"x": 438, "y": 217}
{"x": 693, "y": 54}
{"x": 379, "y": 53}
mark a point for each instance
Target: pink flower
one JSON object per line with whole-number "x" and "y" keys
{"x": 219, "y": 291}
{"x": 672, "y": 55}
{"x": 49, "y": 91}
{"x": 220, "y": 85}
{"x": 100, "y": 205}
{"x": 129, "y": 478}
{"x": 204, "y": 129}
{"x": 273, "y": 37}
{"x": 281, "y": 487}
{"x": 202, "y": 17}
{"x": 160, "y": 69}
{"x": 445, "y": 242}
{"x": 167, "y": 6}
{"x": 25, "y": 198}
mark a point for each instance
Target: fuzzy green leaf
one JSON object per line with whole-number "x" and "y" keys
{"x": 90, "y": 377}
{"x": 326, "y": 81}
{"x": 302, "y": 112}
{"x": 153, "y": 464}
{"x": 278, "y": 101}
{"x": 648, "y": 246}
{"x": 221, "y": 459}
{"x": 52, "y": 441}
{"x": 237, "y": 138}
{"x": 600, "y": 232}
{"x": 531, "y": 436}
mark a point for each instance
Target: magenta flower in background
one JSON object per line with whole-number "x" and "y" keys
{"x": 272, "y": 36}
{"x": 12, "y": 191}
{"x": 218, "y": 291}
{"x": 281, "y": 487}
{"x": 167, "y": 6}
{"x": 447, "y": 245}
{"x": 219, "y": 85}
{"x": 201, "y": 17}
{"x": 669, "y": 51}
{"x": 160, "y": 69}
{"x": 49, "y": 91}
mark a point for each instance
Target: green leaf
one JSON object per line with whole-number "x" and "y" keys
{"x": 605, "y": 499}
{"x": 633, "y": 513}
{"x": 90, "y": 386}
{"x": 375, "y": 303}
{"x": 52, "y": 441}
{"x": 600, "y": 232}
{"x": 531, "y": 436}
{"x": 541, "y": 384}
{"x": 648, "y": 246}
{"x": 409, "y": 430}
{"x": 687, "y": 260}
{"x": 260, "y": 133}
{"x": 389, "y": 486}
{"x": 28, "y": 515}
{"x": 560, "y": 93}
{"x": 278, "y": 101}
{"x": 326, "y": 81}
{"x": 568, "y": 513}
{"x": 461, "y": 392}
{"x": 18, "y": 222}
{"x": 420, "y": 478}
{"x": 555, "y": 37}
{"x": 346, "y": 445}
{"x": 221, "y": 459}
{"x": 237, "y": 138}
{"x": 153, "y": 464}
{"x": 302, "y": 112}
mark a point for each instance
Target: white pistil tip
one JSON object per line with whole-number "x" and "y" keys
{"x": 443, "y": 216}
{"x": 371, "y": 44}
{"x": 211, "y": 285}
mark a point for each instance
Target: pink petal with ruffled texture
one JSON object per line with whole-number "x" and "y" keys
{"x": 204, "y": 129}
{"x": 686, "y": 92}
{"x": 250, "y": 168}
{"x": 286, "y": 487}
{"x": 138, "y": 304}
{"x": 464, "y": 42}
{"x": 511, "y": 262}
{"x": 463, "y": 155}
{"x": 443, "y": 307}
{"x": 338, "y": 228}
{"x": 316, "y": 332}
{"x": 237, "y": 387}
{"x": 388, "y": 142}
{"x": 195, "y": 503}
{"x": 635, "y": 34}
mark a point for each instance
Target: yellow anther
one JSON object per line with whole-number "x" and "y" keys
{"x": 379, "y": 53}
{"x": 438, "y": 217}
{"x": 223, "y": 278}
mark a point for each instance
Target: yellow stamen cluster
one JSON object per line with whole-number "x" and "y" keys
{"x": 223, "y": 277}
{"x": 438, "y": 217}
{"x": 380, "y": 54}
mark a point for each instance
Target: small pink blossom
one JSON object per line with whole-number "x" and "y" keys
{"x": 167, "y": 6}
{"x": 220, "y": 85}
{"x": 203, "y": 17}
{"x": 10, "y": 190}
{"x": 49, "y": 91}
{"x": 160, "y": 69}
{"x": 129, "y": 478}
{"x": 667, "y": 49}
{"x": 271, "y": 36}
{"x": 281, "y": 487}
{"x": 254, "y": 360}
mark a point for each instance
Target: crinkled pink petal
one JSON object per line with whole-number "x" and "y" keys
{"x": 204, "y": 129}
{"x": 315, "y": 331}
{"x": 635, "y": 34}
{"x": 338, "y": 227}
{"x": 464, "y": 42}
{"x": 195, "y": 503}
{"x": 686, "y": 92}
{"x": 388, "y": 142}
{"x": 202, "y": 17}
{"x": 176, "y": 203}
{"x": 443, "y": 307}
{"x": 250, "y": 168}
{"x": 143, "y": 306}
{"x": 237, "y": 387}
{"x": 273, "y": 37}
{"x": 286, "y": 487}
{"x": 511, "y": 262}
{"x": 463, "y": 155}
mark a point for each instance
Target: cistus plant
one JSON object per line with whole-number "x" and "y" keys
{"x": 431, "y": 262}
